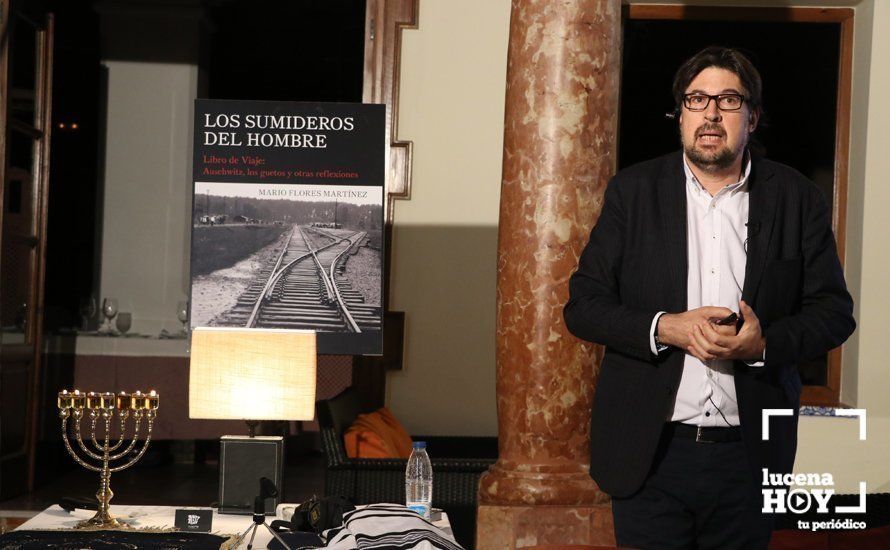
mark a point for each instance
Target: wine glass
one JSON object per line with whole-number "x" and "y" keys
{"x": 182, "y": 313}
{"x": 109, "y": 309}
{"x": 124, "y": 321}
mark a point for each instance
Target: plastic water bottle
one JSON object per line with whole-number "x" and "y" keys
{"x": 419, "y": 480}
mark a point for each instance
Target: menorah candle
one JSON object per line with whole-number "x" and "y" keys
{"x": 152, "y": 400}
{"x": 137, "y": 400}
{"x": 64, "y": 400}
{"x": 107, "y": 401}
{"x": 94, "y": 401}
{"x": 77, "y": 400}
{"x": 122, "y": 402}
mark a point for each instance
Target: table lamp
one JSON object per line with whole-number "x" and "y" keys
{"x": 251, "y": 375}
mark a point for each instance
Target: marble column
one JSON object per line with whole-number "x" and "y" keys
{"x": 559, "y": 151}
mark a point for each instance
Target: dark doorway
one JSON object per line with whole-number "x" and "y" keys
{"x": 72, "y": 230}
{"x": 309, "y": 50}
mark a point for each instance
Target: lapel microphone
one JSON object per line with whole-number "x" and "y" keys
{"x": 753, "y": 228}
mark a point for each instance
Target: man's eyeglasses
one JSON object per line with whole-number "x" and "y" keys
{"x": 725, "y": 102}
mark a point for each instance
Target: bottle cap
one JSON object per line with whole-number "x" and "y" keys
{"x": 419, "y": 445}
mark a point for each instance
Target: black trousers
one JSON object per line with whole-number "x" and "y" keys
{"x": 697, "y": 495}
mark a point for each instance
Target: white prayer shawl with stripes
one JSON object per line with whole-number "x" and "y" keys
{"x": 391, "y": 526}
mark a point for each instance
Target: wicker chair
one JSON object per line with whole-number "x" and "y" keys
{"x": 458, "y": 462}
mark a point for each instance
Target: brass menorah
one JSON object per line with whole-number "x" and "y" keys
{"x": 102, "y": 406}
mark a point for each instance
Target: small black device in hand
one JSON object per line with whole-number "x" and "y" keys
{"x": 730, "y": 319}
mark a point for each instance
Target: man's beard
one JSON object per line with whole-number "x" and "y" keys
{"x": 709, "y": 161}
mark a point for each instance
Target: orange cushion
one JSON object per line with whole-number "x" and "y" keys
{"x": 377, "y": 435}
{"x": 400, "y": 437}
{"x": 363, "y": 443}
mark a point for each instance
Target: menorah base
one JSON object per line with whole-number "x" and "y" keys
{"x": 101, "y": 521}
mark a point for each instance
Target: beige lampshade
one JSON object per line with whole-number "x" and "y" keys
{"x": 252, "y": 374}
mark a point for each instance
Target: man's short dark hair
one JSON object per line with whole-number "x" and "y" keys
{"x": 723, "y": 58}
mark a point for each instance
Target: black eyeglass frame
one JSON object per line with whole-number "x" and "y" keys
{"x": 715, "y": 98}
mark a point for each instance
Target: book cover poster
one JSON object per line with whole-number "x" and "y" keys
{"x": 287, "y": 219}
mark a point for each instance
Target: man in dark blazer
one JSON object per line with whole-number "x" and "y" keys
{"x": 683, "y": 242}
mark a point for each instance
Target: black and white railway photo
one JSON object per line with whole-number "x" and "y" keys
{"x": 287, "y": 257}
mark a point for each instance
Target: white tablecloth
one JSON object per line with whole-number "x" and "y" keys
{"x": 162, "y": 517}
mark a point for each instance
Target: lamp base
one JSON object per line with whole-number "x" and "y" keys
{"x": 242, "y": 462}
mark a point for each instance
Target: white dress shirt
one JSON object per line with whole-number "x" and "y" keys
{"x": 716, "y": 236}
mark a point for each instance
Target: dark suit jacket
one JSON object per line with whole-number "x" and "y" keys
{"x": 635, "y": 265}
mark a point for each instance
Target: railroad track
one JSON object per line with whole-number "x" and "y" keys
{"x": 305, "y": 288}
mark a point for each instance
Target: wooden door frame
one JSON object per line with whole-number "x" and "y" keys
{"x": 384, "y": 22}
{"x": 44, "y": 93}
{"x": 828, "y": 395}
{"x": 31, "y": 349}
